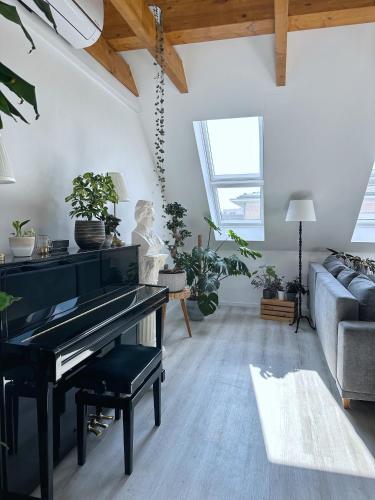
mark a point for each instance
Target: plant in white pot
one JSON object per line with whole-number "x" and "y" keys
{"x": 206, "y": 269}
{"x": 91, "y": 193}
{"x": 22, "y": 242}
{"x": 175, "y": 278}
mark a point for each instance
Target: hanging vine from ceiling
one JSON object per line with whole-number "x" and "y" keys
{"x": 159, "y": 111}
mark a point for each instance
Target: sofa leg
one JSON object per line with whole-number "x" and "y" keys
{"x": 346, "y": 403}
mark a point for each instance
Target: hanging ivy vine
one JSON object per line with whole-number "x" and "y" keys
{"x": 159, "y": 111}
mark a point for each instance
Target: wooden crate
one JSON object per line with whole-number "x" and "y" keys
{"x": 278, "y": 310}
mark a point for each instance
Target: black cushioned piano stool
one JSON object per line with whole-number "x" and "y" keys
{"x": 118, "y": 380}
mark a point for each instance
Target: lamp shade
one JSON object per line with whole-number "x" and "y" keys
{"x": 301, "y": 211}
{"x": 6, "y": 171}
{"x": 120, "y": 186}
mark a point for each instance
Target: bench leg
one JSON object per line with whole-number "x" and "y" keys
{"x": 81, "y": 432}
{"x": 128, "y": 424}
{"x": 157, "y": 401}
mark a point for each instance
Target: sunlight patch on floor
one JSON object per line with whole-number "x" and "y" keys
{"x": 304, "y": 426}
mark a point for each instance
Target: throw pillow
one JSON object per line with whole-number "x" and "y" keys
{"x": 346, "y": 276}
{"x": 363, "y": 290}
{"x": 334, "y": 266}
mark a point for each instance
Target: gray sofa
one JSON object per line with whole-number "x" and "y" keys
{"x": 344, "y": 317}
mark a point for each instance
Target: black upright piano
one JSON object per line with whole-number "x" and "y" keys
{"x": 72, "y": 308}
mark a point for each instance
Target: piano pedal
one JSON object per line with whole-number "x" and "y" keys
{"x": 101, "y": 416}
{"x": 94, "y": 430}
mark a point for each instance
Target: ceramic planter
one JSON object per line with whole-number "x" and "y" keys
{"x": 89, "y": 234}
{"x": 268, "y": 294}
{"x": 195, "y": 314}
{"x": 22, "y": 246}
{"x": 174, "y": 281}
{"x": 291, "y": 296}
{"x": 281, "y": 294}
{"x": 108, "y": 241}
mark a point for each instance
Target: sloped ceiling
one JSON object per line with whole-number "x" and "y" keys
{"x": 319, "y": 130}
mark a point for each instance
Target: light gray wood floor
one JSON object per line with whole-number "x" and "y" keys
{"x": 249, "y": 411}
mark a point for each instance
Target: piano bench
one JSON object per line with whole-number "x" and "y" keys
{"x": 119, "y": 380}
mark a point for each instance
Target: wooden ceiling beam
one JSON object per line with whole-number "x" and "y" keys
{"x": 327, "y": 19}
{"x": 139, "y": 18}
{"x": 281, "y": 39}
{"x": 114, "y": 63}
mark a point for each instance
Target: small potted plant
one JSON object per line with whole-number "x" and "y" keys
{"x": 22, "y": 242}
{"x": 267, "y": 278}
{"x": 280, "y": 290}
{"x": 175, "y": 278}
{"x": 91, "y": 193}
{"x": 292, "y": 288}
{"x": 7, "y": 300}
{"x": 111, "y": 224}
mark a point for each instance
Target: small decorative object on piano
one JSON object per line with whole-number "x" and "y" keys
{"x": 111, "y": 223}
{"x": 2, "y": 258}
{"x": 22, "y": 242}
{"x": 59, "y": 246}
{"x": 43, "y": 244}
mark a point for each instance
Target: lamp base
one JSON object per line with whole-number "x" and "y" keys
{"x": 116, "y": 242}
{"x": 298, "y": 320}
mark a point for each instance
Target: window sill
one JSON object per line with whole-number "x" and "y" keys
{"x": 254, "y": 233}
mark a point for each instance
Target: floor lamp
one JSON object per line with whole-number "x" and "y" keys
{"x": 300, "y": 211}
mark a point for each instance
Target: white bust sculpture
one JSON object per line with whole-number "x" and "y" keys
{"x": 150, "y": 259}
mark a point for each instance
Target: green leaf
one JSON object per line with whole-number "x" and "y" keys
{"x": 19, "y": 86}
{"x": 212, "y": 225}
{"x": 10, "y": 13}
{"x": 46, "y": 9}
{"x": 208, "y": 303}
{"x": 6, "y": 300}
{"x": 7, "y": 107}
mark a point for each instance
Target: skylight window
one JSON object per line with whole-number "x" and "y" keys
{"x": 231, "y": 156}
{"x": 365, "y": 228}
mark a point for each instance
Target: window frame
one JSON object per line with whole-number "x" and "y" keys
{"x": 214, "y": 181}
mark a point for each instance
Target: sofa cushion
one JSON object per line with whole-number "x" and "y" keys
{"x": 346, "y": 276}
{"x": 334, "y": 266}
{"x": 363, "y": 290}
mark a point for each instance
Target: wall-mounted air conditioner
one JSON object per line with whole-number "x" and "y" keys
{"x": 79, "y": 22}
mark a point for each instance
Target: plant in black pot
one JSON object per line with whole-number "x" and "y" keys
{"x": 292, "y": 289}
{"x": 175, "y": 278}
{"x": 111, "y": 223}
{"x": 267, "y": 278}
{"x": 91, "y": 193}
{"x": 206, "y": 269}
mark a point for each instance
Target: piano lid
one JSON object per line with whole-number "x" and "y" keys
{"x": 62, "y": 323}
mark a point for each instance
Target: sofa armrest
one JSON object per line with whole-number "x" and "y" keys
{"x": 356, "y": 357}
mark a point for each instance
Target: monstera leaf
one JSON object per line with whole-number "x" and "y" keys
{"x": 6, "y": 300}
{"x": 208, "y": 303}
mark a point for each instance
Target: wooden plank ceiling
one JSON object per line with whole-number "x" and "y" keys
{"x": 127, "y": 27}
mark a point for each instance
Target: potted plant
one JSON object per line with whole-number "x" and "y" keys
{"x": 206, "y": 269}
{"x": 175, "y": 278}
{"x": 22, "y": 242}
{"x": 280, "y": 290}
{"x": 91, "y": 193}
{"x": 111, "y": 222}
{"x": 267, "y": 278}
{"x": 292, "y": 288}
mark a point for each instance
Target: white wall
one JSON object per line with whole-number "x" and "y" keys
{"x": 318, "y": 132}
{"x": 82, "y": 128}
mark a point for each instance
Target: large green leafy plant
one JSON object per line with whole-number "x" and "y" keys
{"x": 20, "y": 87}
{"x": 206, "y": 269}
{"x": 91, "y": 193}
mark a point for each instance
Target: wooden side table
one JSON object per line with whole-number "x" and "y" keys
{"x": 181, "y": 296}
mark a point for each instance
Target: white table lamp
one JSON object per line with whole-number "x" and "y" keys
{"x": 123, "y": 196}
{"x": 300, "y": 211}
